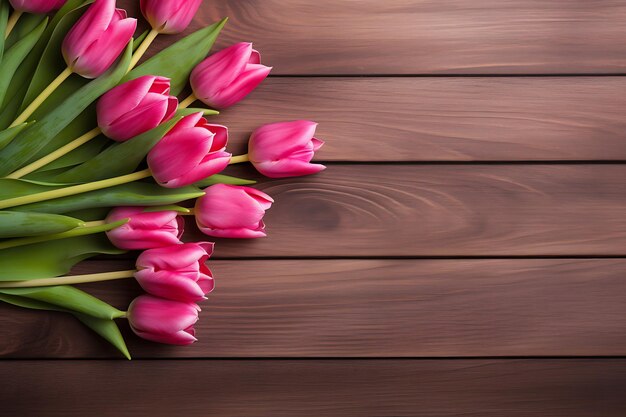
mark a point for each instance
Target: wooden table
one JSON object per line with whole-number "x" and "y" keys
{"x": 463, "y": 254}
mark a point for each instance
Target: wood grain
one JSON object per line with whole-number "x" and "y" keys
{"x": 445, "y": 119}
{"x": 443, "y": 210}
{"x": 367, "y": 308}
{"x": 425, "y": 36}
{"x": 401, "y": 388}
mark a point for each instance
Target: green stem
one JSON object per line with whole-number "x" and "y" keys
{"x": 89, "y": 228}
{"x": 187, "y": 102}
{"x": 28, "y": 111}
{"x": 53, "y": 156}
{"x": 150, "y": 37}
{"x": 15, "y": 16}
{"x": 239, "y": 159}
{"x": 74, "y": 189}
{"x": 70, "y": 280}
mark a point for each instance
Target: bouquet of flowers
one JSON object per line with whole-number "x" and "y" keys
{"x": 98, "y": 156}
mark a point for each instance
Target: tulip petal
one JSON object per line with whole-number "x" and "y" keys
{"x": 160, "y": 316}
{"x": 101, "y": 53}
{"x": 243, "y": 85}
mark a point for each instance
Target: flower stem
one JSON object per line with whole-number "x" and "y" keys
{"x": 187, "y": 102}
{"x": 53, "y": 156}
{"x": 150, "y": 37}
{"x": 15, "y": 16}
{"x": 239, "y": 159}
{"x": 74, "y": 189}
{"x": 28, "y": 111}
{"x": 88, "y": 228}
{"x": 69, "y": 280}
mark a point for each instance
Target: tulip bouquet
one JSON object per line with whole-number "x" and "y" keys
{"x": 99, "y": 156}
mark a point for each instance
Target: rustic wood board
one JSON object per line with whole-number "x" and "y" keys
{"x": 445, "y": 119}
{"x": 317, "y": 388}
{"x": 447, "y": 210}
{"x": 428, "y": 36}
{"x": 369, "y": 308}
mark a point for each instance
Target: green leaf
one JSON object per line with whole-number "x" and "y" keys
{"x": 76, "y": 157}
{"x": 21, "y": 224}
{"x": 51, "y": 259}
{"x": 171, "y": 207}
{"x": 177, "y": 61}
{"x": 223, "y": 179}
{"x": 38, "y": 135}
{"x": 10, "y": 188}
{"x": 132, "y": 194}
{"x": 7, "y": 135}
{"x": 107, "y": 329}
{"x": 15, "y": 55}
{"x": 51, "y": 62}
{"x": 21, "y": 80}
{"x": 26, "y": 23}
{"x": 120, "y": 158}
{"x": 68, "y": 297}
{"x": 4, "y": 17}
{"x": 104, "y": 327}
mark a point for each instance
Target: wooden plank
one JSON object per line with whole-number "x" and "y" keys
{"x": 445, "y": 119}
{"x": 367, "y": 308}
{"x": 443, "y": 210}
{"x": 486, "y": 388}
{"x": 426, "y": 36}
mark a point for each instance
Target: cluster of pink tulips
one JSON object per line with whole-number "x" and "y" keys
{"x": 189, "y": 150}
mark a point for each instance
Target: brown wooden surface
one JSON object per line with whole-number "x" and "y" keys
{"x": 279, "y": 388}
{"x": 429, "y": 36}
{"x": 445, "y": 119}
{"x": 429, "y": 166}
{"x": 443, "y": 210}
{"x": 369, "y": 308}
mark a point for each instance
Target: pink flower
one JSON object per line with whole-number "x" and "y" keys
{"x": 146, "y": 229}
{"x": 169, "y": 16}
{"x": 163, "y": 321}
{"x": 176, "y": 272}
{"x": 226, "y": 77}
{"x": 232, "y": 211}
{"x": 135, "y": 107}
{"x": 191, "y": 151}
{"x": 97, "y": 39}
{"x": 285, "y": 149}
{"x": 37, "y": 6}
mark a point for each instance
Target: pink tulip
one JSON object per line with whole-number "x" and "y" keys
{"x": 191, "y": 151}
{"x": 169, "y": 16}
{"x": 37, "y": 6}
{"x": 176, "y": 272}
{"x": 146, "y": 229}
{"x": 232, "y": 211}
{"x": 163, "y": 321}
{"x": 285, "y": 149}
{"x": 97, "y": 39}
{"x": 226, "y": 77}
{"x": 135, "y": 107}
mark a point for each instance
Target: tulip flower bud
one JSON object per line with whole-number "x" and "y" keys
{"x": 169, "y": 16}
{"x": 191, "y": 151}
{"x": 37, "y": 6}
{"x": 97, "y": 39}
{"x": 163, "y": 321}
{"x": 135, "y": 107}
{"x": 232, "y": 211}
{"x": 285, "y": 149}
{"x": 146, "y": 229}
{"x": 227, "y": 76}
{"x": 176, "y": 272}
